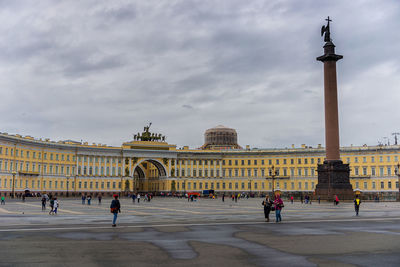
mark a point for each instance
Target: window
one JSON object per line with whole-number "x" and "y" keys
{"x": 381, "y": 171}
{"x": 236, "y": 162}
{"x": 306, "y": 185}
{"x": 262, "y": 162}
{"x": 380, "y": 159}
{"x": 291, "y": 161}
{"x": 355, "y": 159}
{"x": 357, "y": 184}
{"x": 270, "y": 162}
{"x": 373, "y": 171}
{"x": 255, "y": 162}
{"x": 365, "y": 185}
{"x": 373, "y": 185}
{"x": 299, "y": 161}
{"x": 388, "y": 158}
{"x": 255, "y": 173}
{"x": 299, "y": 185}
{"x": 277, "y": 162}
{"x": 364, "y": 159}
{"x": 284, "y": 161}
{"x": 355, "y": 170}
{"x": 305, "y": 161}
{"x": 382, "y": 185}
{"x": 372, "y": 159}
{"x": 389, "y": 171}
{"x": 364, "y": 170}
{"x": 299, "y": 172}
{"x": 390, "y": 185}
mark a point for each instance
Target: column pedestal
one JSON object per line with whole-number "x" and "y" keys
{"x": 334, "y": 179}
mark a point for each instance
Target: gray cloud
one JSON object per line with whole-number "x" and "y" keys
{"x": 100, "y": 70}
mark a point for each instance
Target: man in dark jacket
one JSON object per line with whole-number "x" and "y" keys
{"x": 115, "y": 208}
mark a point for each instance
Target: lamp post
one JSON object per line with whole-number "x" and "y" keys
{"x": 272, "y": 174}
{"x": 13, "y": 184}
{"x": 398, "y": 176}
{"x": 67, "y": 185}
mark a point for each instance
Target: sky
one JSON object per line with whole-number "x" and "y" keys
{"x": 100, "y": 70}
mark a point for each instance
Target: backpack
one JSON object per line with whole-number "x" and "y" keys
{"x": 358, "y": 201}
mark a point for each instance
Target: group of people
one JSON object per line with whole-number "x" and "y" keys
{"x": 147, "y": 197}
{"x": 54, "y": 204}
{"x": 276, "y": 205}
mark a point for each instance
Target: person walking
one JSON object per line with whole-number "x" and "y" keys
{"x": 56, "y": 204}
{"x": 267, "y": 203}
{"x": 319, "y": 200}
{"x": 357, "y": 202}
{"x": 223, "y": 197}
{"x": 51, "y": 206}
{"x": 44, "y": 203}
{"x": 115, "y": 207}
{"x": 89, "y": 198}
{"x": 336, "y": 200}
{"x": 138, "y": 198}
{"x": 3, "y": 200}
{"x": 278, "y": 208}
{"x": 133, "y": 198}
{"x": 291, "y": 199}
{"x": 99, "y": 197}
{"x": 83, "y": 199}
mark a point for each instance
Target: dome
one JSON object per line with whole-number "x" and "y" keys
{"x": 220, "y": 137}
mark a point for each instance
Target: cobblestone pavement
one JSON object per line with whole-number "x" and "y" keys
{"x": 174, "y": 232}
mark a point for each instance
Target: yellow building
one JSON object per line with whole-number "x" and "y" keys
{"x": 148, "y": 163}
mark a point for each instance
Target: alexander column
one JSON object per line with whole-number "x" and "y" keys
{"x": 333, "y": 175}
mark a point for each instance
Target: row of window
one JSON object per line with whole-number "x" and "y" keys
{"x": 372, "y": 159}
{"x": 37, "y": 168}
{"x": 245, "y": 172}
{"x": 242, "y": 185}
{"x": 20, "y": 153}
{"x": 292, "y": 172}
{"x": 242, "y": 162}
{"x": 99, "y": 171}
{"x": 383, "y": 185}
{"x": 99, "y": 159}
{"x": 49, "y": 184}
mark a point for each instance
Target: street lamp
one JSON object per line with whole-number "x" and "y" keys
{"x": 67, "y": 185}
{"x": 13, "y": 184}
{"x": 272, "y": 173}
{"x": 396, "y": 171}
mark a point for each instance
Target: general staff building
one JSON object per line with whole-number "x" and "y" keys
{"x": 149, "y": 164}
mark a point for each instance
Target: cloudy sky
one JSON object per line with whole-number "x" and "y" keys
{"x": 101, "y": 70}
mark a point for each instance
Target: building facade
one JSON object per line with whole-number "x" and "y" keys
{"x": 68, "y": 167}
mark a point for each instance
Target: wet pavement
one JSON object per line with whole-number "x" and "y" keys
{"x": 174, "y": 232}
